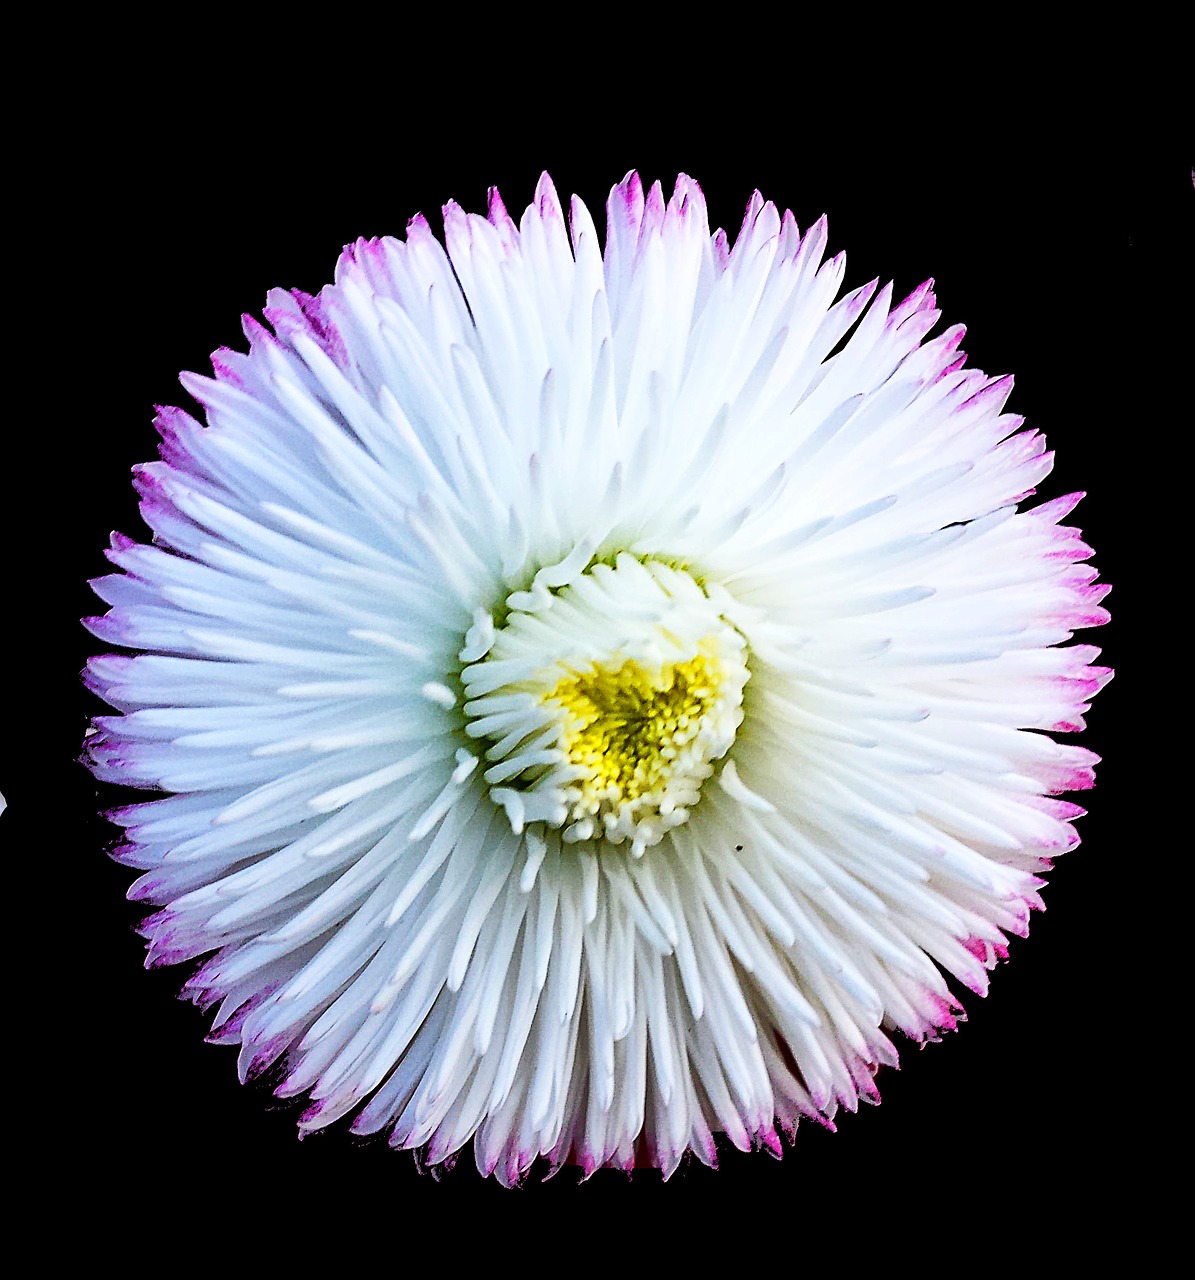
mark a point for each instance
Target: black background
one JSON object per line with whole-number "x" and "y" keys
{"x": 1062, "y": 247}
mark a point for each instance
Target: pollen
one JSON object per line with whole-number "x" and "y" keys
{"x": 625, "y": 726}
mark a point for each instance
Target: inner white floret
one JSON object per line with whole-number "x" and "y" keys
{"x": 606, "y": 702}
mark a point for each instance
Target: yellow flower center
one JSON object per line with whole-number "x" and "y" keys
{"x": 607, "y": 702}
{"x": 625, "y": 725}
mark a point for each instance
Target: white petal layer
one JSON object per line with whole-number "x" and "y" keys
{"x": 425, "y": 437}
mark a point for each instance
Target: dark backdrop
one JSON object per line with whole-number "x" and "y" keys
{"x": 1060, "y": 247}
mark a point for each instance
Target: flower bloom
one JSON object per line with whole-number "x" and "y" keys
{"x": 600, "y": 692}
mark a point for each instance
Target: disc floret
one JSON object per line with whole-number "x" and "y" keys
{"x": 608, "y": 703}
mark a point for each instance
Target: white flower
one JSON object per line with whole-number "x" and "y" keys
{"x": 600, "y": 694}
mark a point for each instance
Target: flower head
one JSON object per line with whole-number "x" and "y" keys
{"x": 600, "y": 693}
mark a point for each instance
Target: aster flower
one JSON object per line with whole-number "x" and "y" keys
{"x": 600, "y": 694}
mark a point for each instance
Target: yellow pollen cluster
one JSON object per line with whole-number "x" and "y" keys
{"x": 624, "y": 725}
